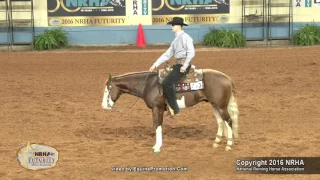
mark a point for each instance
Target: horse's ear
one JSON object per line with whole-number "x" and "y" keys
{"x": 109, "y": 78}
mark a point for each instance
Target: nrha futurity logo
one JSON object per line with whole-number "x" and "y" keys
{"x": 37, "y": 156}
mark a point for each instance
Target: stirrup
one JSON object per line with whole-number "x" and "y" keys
{"x": 170, "y": 109}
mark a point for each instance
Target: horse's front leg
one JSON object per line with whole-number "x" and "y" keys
{"x": 157, "y": 125}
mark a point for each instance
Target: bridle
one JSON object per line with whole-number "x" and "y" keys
{"x": 121, "y": 110}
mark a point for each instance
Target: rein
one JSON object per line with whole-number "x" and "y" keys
{"x": 121, "y": 110}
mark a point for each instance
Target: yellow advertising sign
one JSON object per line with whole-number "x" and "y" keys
{"x": 87, "y": 21}
{"x": 87, "y": 12}
{"x": 193, "y": 18}
{"x": 193, "y": 12}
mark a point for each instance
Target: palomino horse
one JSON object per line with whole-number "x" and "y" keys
{"x": 209, "y": 85}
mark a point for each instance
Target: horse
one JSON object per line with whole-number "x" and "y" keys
{"x": 198, "y": 85}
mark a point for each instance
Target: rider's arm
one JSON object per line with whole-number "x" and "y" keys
{"x": 190, "y": 50}
{"x": 164, "y": 57}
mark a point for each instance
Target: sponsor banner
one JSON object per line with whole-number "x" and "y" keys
{"x": 177, "y": 7}
{"x": 194, "y": 12}
{"x": 140, "y": 7}
{"x": 193, "y": 19}
{"x": 86, "y": 13}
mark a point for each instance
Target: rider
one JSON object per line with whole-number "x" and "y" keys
{"x": 183, "y": 50}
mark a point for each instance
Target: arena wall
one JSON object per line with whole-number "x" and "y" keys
{"x": 159, "y": 33}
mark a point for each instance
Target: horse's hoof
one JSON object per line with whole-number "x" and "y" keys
{"x": 228, "y": 148}
{"x": 156, "y": 151}
{"x": 215, "y": 145}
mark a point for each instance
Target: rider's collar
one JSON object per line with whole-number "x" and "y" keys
{"x": 178, "y": 33}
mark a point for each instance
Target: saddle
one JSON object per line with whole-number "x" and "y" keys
{"x": 191, "y": 81}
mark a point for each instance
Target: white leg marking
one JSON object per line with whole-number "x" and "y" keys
{"x": 106, "y": 96}
{"x": 220, "y": 128}
{"x": 229, "y": 143}
{"x": 225, "y": 130}
{"x": 181, "y": 102}
{"x": 157, "y": 146}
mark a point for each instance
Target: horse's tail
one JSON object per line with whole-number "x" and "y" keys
{"x": 233, "y": 112}
{"x": 234, "y": 92}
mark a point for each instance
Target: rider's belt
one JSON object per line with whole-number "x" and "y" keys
{"x": 180, "y": 60}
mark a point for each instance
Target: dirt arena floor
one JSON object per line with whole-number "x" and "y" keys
{"x": 54, "y": 98}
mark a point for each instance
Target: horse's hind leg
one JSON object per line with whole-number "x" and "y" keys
{"x": 220, "y": 127}
{"x": 228, "y": 125}
{"x": 224, "y": 126}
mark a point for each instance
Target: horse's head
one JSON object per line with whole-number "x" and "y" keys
{"x": 111, "y": 94}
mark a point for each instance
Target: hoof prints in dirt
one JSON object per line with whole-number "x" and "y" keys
{"x": 188, "y": 132}
{"x": 110, "y": 134}
{"x": 140, "y": 132}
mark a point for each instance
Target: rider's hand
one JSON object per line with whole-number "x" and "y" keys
{"x": 183, "y": 69}
{"x": 152, "y": 68}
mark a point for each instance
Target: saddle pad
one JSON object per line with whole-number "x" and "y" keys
{"x": 185, "y": 87}
{"x": 193, "y": 76}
